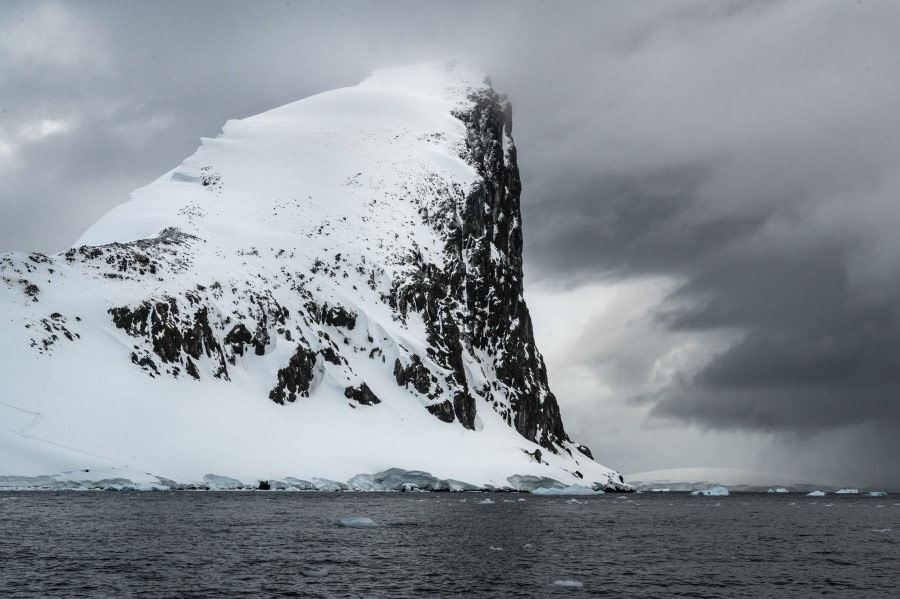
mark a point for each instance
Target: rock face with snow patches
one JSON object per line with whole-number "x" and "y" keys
{"x": 328, "y": 288}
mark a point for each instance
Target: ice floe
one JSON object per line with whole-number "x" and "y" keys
{"x": 712, "y": 492}
{"x": 358, "y": 522}
{"x": 573, "y": 584}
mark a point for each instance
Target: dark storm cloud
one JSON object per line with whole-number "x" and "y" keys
{"x": 765, "y": 188}
{"x": 749, "y": 151}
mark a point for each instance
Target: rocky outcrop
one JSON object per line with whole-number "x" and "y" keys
{"x": 414, "y": 373}
{"x": 442, "y": 411}
{"x": 361, "y": 395}
{"x": 295, "y": 378}
{"x": 474, "y": 304}
{"x": 174, "y": 337}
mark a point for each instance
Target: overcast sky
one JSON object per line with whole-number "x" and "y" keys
{"x": 711, "y": 189}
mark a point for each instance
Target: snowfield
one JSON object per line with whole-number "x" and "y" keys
{"x": 236, "y": 321}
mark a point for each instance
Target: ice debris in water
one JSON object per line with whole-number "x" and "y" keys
{"x": 778, "y": 490}
{"x": 572, "y": 584}
{"x": 713, "y": 492}
{"x": 358, "y": 522}
{"x": 321, "y": 572}
{"x": 520, "y": 500}
{"x": 847, "y": 491}
{"x": 486, "y": 501}
{"x": 816, "y": 494}
{"x": 573, "y": 500}
{"x": 573, "y": 490}
{"x": 496, "y": 548}
{"x": 881, "y": 530}
{"x": 877, "y": 494}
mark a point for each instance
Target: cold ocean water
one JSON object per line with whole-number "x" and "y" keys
{"x": 273, "y": 544}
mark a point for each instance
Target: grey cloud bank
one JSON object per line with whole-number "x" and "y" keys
{"x": 710, "y": 189}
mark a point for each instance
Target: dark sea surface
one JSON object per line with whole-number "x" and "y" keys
{"x": 271, "y": 544}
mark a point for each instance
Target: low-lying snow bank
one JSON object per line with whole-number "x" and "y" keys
{"x": 392, "y": 479}
{"x": 572, "y": 490}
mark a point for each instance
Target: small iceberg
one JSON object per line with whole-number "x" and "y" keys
{"x": 572, "y": 584}
{"x": 573, "y": 500}
{"x": 572, "y": 490}
{"x": 319, "y": 573}
{"x": 358, "y": 522}
{"x": 846, "y": 492}
{"x": 877, "y": 494}
{"x": 816, "y": 494}
{"x": 487, "y": 502}
{"x": 713, "y": 492}
{"x": 778, "y": 490}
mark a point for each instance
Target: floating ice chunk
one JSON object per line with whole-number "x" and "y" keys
{"x": 222, "y": 483}
{"x": 881, "y": 530}
{"x": 520, "y": 500}
{"x": 527, "y": 546}
{"x": 358, "y": 522}
{"x": 846, "y": 491}
{"x": 816, "y": 494}
{"x": 572, "y": 584}
{"x": 486, "y": 502}
{"x": 713, "y": 492}
{"x": 778, "y": 490}
{"x": 877, "y": 494}
{"x": 496, "y": 548}
{"x": 573, "y": 500}
{"x": 317, "y": 573}
{"x": 573, "y": 490}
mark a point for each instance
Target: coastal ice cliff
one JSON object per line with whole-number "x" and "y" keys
{"x": 327, "y": 289}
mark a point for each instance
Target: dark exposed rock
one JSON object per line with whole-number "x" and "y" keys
{"x": 338, "y": 316}
{"x": 238, "y": 337}
{"x": 484, "y": 251}
{"x": 474, "y": 303}
{"x": 415, "y": 373}
{"x": 174, "y": 338}
{"x": 294, "y": 379}
{"x": 443, "y": 411}
{"x": 264, "y": 486}
{"x": 335, "y": 316}
{"x": 362, "y": 395}
{"x": 331, "y": 356}
{"x": 584, "y": 449}
{"x": 191, "y": 368}
{"x": 261, "y": 337}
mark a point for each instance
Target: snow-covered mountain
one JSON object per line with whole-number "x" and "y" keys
{"x": 330, "y": 288}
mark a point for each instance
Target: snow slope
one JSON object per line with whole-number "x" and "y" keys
{"x": 329, "y": 288}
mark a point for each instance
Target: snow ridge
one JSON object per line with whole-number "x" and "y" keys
{"x": 328, "y": 288}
